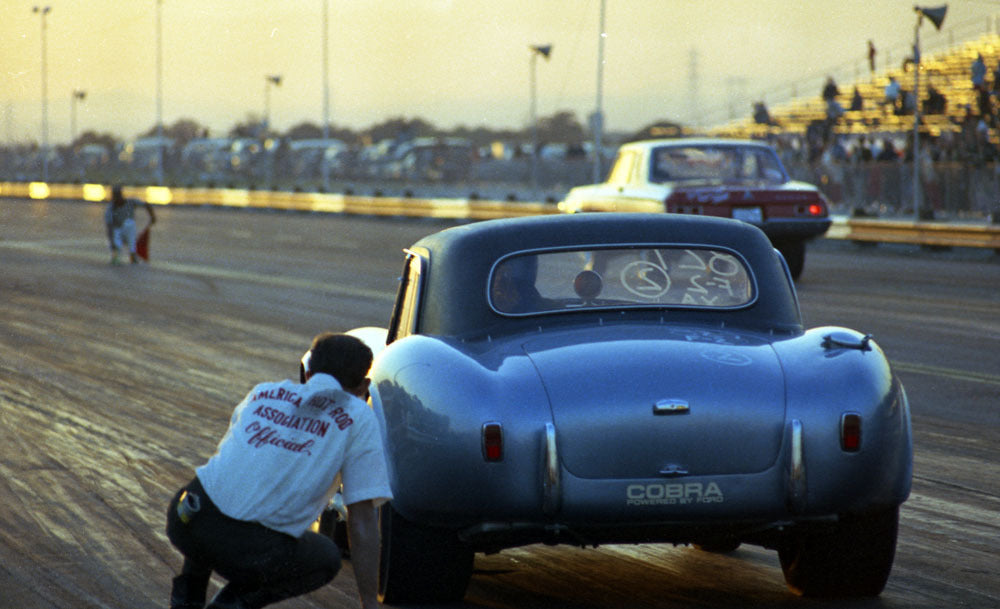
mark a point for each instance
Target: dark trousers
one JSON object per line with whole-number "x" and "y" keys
{"x": 262, "y": 566}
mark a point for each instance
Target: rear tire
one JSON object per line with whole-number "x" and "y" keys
{"x": 849, "y": 559}
{"x": 421, "y": 564}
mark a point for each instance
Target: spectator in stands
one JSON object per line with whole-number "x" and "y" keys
{"x": 906, "y": 103}
{"x": 928, "y": 175}
{"x": 857, "y": 102}
{"x": 969, "y": 117}
{"x": 982, "y": 128}
{"x": 837, "y": 151}
{"x": 833, "y": 111}
{"x": 830, "y": 90}
{"x": 935, "y": 102}
{"x": 888, "y": 152}
{"x": 979, "y": 73}
{"x": 996, "y": 80}
{"x": 892, "y": 93}
{"x": 760, "y": 114}
{"x": 966, "y": 147}
{"x": 946, "y": 144}
{"x": 985, "y": 103}
{"x": 986, "y": 151}
{"x": 833, "y": 108}
{"x": 871, "y": 57}
{"x": 863, "y": 152}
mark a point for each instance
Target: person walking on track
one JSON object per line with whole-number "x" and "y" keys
{"x": 119, "y": 219}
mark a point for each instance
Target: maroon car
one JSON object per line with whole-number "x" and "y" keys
{"x": 737, "y": 179}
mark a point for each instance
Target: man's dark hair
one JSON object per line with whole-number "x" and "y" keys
{"x": 342, "y": 356}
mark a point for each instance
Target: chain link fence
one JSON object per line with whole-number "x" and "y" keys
{"x": 948, "y": 191}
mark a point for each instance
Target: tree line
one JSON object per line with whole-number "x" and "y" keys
{"x": 562, "y": 127}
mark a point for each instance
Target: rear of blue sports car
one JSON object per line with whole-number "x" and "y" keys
{"x": 657, "y": 391}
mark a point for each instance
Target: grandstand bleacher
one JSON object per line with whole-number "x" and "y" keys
{"x": 948, "y": 71}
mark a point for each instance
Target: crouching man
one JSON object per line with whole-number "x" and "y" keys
{"x": 246, "y": 514}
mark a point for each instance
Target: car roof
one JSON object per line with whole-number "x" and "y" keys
{"x": 460, "y": 259}
{"x": 695, "y": 141}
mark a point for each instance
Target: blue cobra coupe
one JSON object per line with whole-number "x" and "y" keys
{"x": 629, "y": 378}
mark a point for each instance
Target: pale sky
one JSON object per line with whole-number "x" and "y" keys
{"x": 450, "y": 62}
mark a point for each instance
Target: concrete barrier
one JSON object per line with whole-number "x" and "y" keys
{"x": 938, "y": 234}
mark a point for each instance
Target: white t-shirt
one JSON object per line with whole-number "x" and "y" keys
{"x": 287, "y": 449}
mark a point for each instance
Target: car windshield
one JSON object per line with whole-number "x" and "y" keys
{"x": 658, "y": 276}
{"x": 716, "y": 164}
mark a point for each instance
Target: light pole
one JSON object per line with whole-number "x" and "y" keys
{"x": 43, "y": 11}
{"x": 936, "y": 15}
{"x": 267, "y": 145}
{"x": 270, "y": 79}
{"x": 78, "y": 96}
{"x": 326, "y": 96}
{"x": 159, "y": 92}
{"x": 544, "y": 51}
{"x": 597, "y": 123}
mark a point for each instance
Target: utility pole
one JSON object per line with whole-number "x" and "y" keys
{"x": 597, "y": 122}
{"x": 159, "y": 92}
{"x": 544, "y": 51}
{"x": 43, "y": 11}
{"x": 326, "y": 96}
{"x": 695, "y": 106}
{"x": 78, "y": 96}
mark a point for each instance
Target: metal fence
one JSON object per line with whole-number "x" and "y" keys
{"x": 949, "y": 190}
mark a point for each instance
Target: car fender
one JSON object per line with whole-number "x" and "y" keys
{"x": 826, "y": 379}
{"x": 432, "y": 399}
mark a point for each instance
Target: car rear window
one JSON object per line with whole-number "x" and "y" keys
{"x": 723, "y": 164}
{"x": 658, "y": 277}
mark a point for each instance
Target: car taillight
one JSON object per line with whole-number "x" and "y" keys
{"x": 850, "y": 432}
{"x": 492, "y": 442}
{"x": 816, "y": 210}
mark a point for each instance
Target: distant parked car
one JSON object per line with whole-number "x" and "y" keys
{"x": 146, "y": 152}
{"x": 628, "y": 378}
{"x": 737, "y": 179}
{"x": 91, "y": 156}
{"x": 307, "y": 157}
{"x": 432, "y": 159}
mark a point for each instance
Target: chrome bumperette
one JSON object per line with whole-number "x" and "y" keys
{"x": 796, "y": 468}
{"x": 550, "y": 474}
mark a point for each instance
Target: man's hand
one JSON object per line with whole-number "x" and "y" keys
{"x": 363, "y": 533}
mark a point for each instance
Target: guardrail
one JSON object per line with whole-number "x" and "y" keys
{"x": 470, "y": 209}
{"x": 932, "y": 234}
{"x": 936, "y": 234}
